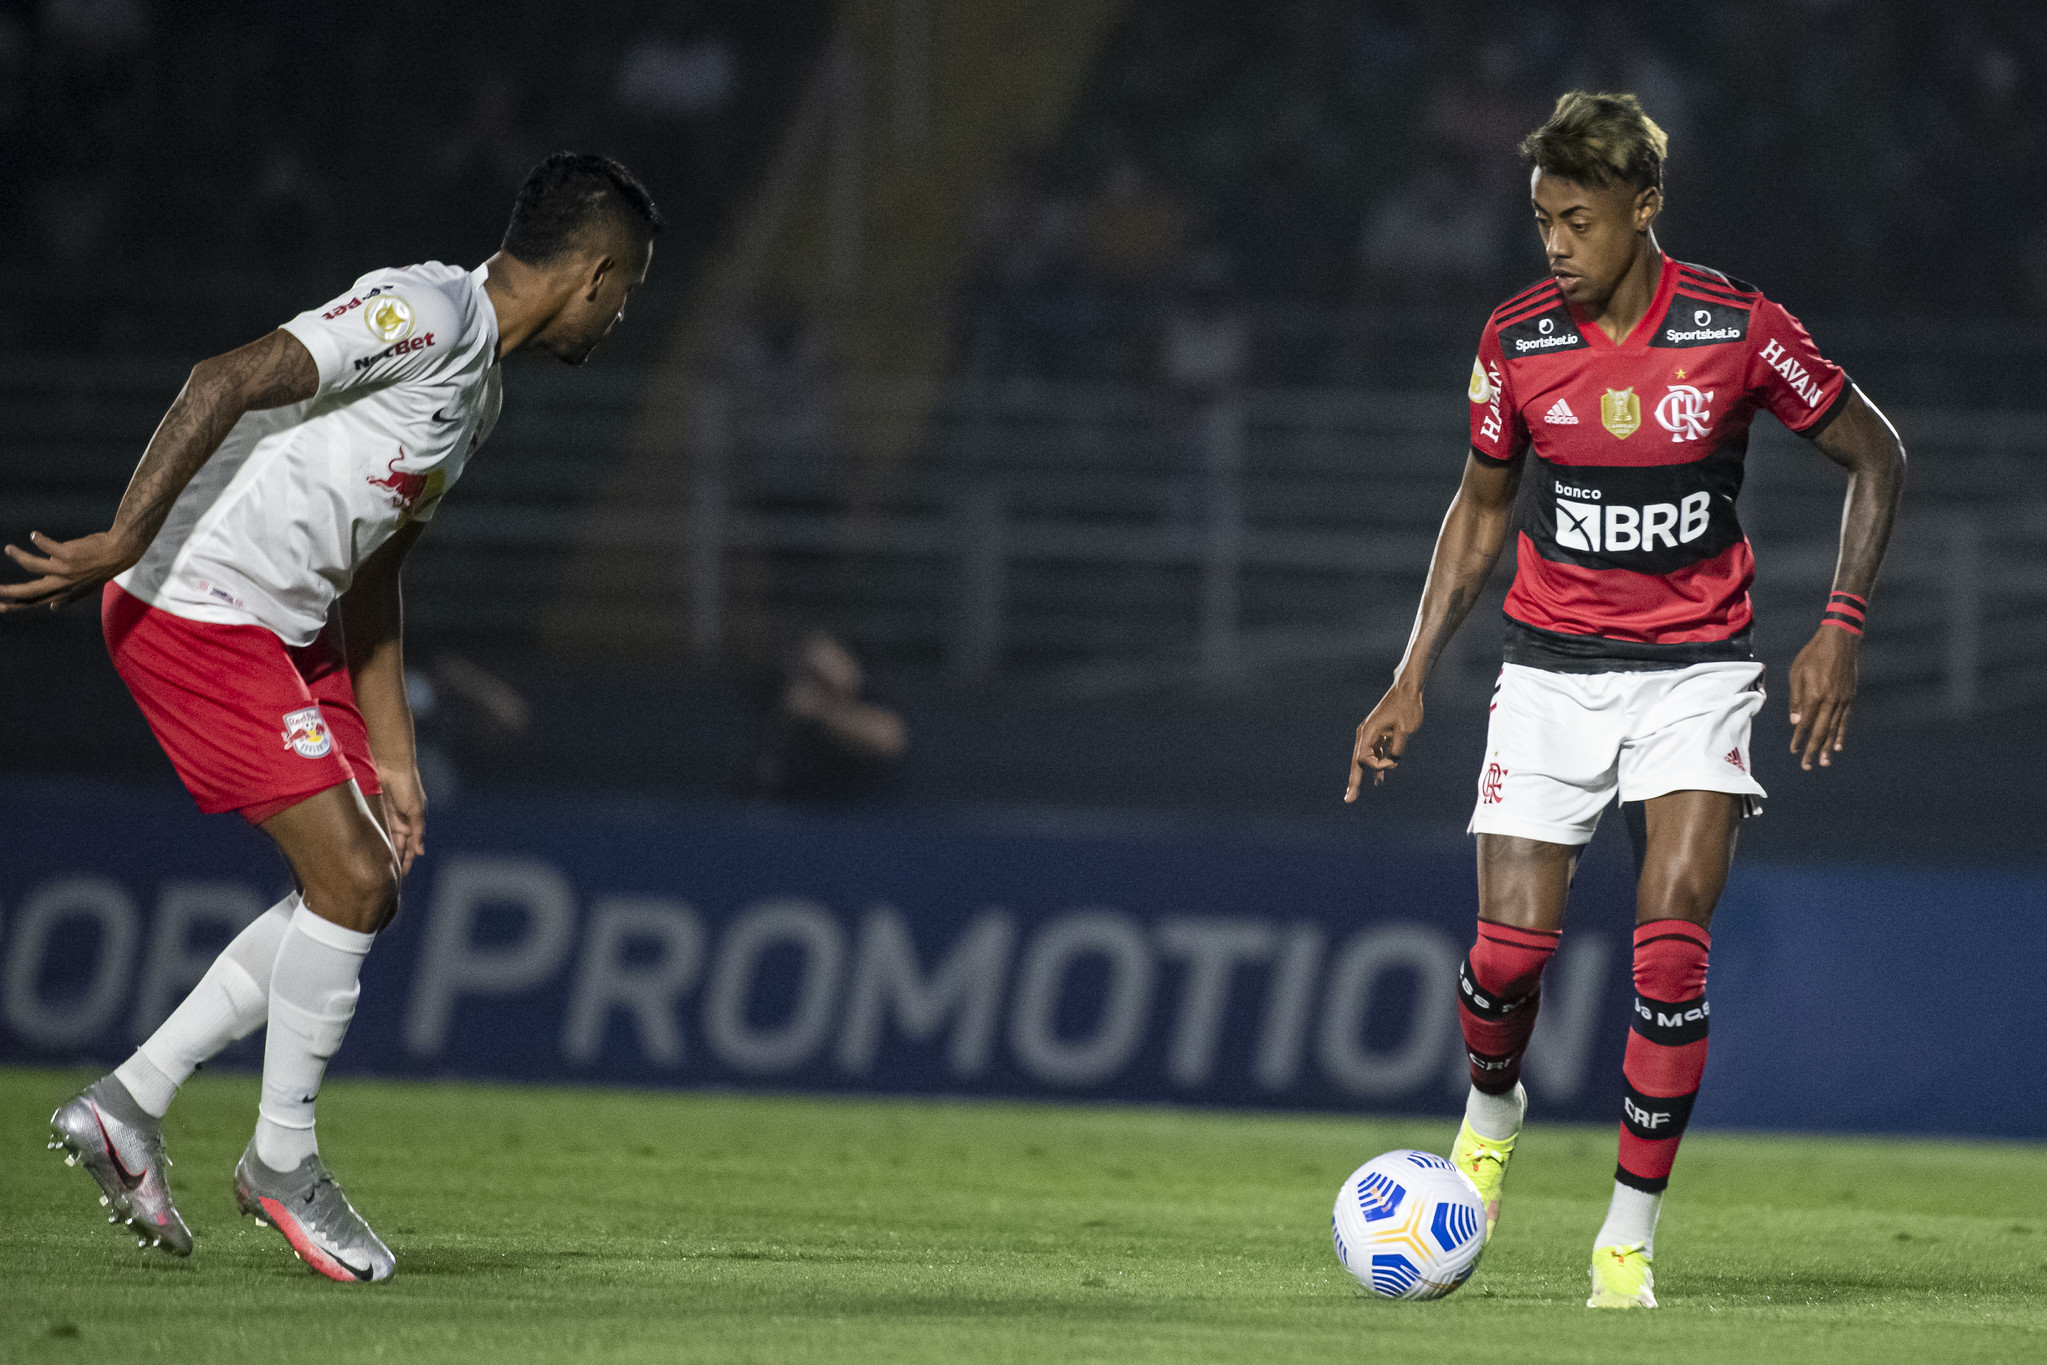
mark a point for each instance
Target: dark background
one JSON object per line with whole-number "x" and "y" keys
{"x": 1323, "y": 196}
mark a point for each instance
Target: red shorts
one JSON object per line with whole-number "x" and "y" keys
{"x": 250, "y": 723}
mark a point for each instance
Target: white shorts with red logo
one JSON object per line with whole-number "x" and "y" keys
{"x": 1561, "y": 744}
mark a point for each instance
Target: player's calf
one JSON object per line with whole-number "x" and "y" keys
{"x": 1499, "y": 991}
{"x": 1666, "y": 1056}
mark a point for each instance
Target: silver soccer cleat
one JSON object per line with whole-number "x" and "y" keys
{"x": 314, "y": 1215}
{"x": 103, "y": 1129}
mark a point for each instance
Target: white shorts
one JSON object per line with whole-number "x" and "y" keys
{"x": 1560, "y": 744}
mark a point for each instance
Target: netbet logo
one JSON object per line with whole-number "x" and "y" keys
{"x": 1603, "y": 529}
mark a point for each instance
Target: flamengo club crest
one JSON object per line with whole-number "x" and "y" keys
{"x": 1684, "y": 412}
{"x": 1620, "y": 412}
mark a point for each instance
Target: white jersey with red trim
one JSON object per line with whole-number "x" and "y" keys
{"x": 273, "y": 528}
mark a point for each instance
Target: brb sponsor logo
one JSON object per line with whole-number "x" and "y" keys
{"x": 306, "y": 733}
{"x": 1601, "y": 528}
{"x": 1685, "y": 412}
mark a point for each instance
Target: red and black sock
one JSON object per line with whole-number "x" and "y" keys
{"x": 1666, "y": 1049}
{"x": 1500, "y": 987}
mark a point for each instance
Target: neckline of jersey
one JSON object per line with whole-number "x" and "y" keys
{"x": 477, "y": 279}
{"x": 1638, "y": 336}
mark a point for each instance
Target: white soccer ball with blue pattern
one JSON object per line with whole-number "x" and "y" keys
{"x": 1409, "y": 1225}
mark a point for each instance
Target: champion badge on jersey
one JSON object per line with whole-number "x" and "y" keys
{"x": 389, "y": 318}
{"x": 306, "y": 733}
{"x": 1620, "y": 412}
{"x": 1481, "y": 389}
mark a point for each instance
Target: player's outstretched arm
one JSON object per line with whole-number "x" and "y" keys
{"x": 1466, "y": 548}
{"x": 266, "y": 373}
{"x": 372, "y": 632}
{"x": 1863, "y": 442}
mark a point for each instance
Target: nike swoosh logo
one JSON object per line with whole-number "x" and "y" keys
{"x": 128, "y": 1181}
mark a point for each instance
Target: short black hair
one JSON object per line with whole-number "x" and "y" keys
{"x": 570, "y": 192}
{"x": 1600, "y": 140}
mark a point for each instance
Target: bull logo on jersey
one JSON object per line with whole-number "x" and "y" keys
{"x": 389, "y": 318}
{"x": 1684, "y": 412}
{"x": 1620, "y": 412}
{"x": 306, "y": 733}
{"x": 410, "y": 492}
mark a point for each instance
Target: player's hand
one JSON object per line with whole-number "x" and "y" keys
{"x": 1382, "y": 736}
{"x": 1822, "y": 690}
{"x": 404, "y": 813}
{"x": 65, "y": 569}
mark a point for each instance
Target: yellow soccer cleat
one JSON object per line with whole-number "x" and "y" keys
{"x": 1484, "y": 1160}
{"x": 1621, "y": 1278}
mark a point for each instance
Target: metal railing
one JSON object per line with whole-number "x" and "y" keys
{"x": 1100, "y": 538}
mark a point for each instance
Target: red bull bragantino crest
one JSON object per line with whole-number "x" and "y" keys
{"x": 306, "y": 733}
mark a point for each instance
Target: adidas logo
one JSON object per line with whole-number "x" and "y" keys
{"x": 1734, "y": 757}
{"x": 1561, "y": 415}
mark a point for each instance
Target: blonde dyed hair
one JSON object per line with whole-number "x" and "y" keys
{"x": 1601, "y": 140}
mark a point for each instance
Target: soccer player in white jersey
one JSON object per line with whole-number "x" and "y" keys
{"x": 251, "y": 604}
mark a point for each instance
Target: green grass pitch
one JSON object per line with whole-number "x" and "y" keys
{"x": 593, "y": 1225}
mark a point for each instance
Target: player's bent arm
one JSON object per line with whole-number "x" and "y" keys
{"x": 1467, "y": 547}
{"x": 266, "y": 373}
{"x": 1823, "y": 677}
{"x": 372, "y": 631}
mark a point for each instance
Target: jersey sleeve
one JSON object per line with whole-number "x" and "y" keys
{"x": 374, "y": 335}
{"x": 1788, "y": 375}
{"x": 1497, "y": 431}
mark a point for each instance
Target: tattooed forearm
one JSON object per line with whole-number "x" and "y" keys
{"x": 264, "y": 374}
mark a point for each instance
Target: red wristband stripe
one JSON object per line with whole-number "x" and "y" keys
{"x": 1848, "y": 602}
{"x": 1843, "y": 622}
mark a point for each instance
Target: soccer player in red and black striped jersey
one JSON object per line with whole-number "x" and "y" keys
{"x": 1610, "y": 407}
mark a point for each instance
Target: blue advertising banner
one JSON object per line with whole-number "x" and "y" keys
{"x": 661, "y": 946}
{"x": 656, "y": 945}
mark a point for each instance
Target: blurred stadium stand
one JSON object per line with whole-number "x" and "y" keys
{"x": 1094, "y": 368}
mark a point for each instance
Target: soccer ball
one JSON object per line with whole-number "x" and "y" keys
{"x": 1409, "y": 1225}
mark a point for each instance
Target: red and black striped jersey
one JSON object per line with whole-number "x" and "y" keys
{"x": 1628, "y": 551}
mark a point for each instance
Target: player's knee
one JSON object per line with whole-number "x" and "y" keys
{"x": 364, "y": 889}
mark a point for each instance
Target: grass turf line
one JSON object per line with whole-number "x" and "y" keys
{"x": 565, "y": 1225}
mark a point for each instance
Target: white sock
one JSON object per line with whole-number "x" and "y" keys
{"x": 229, "y": 1003}
{"x": 1496, "y": 1117}
{"x": 312, "y": 998}
{"x": 1631, "y": 1218}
